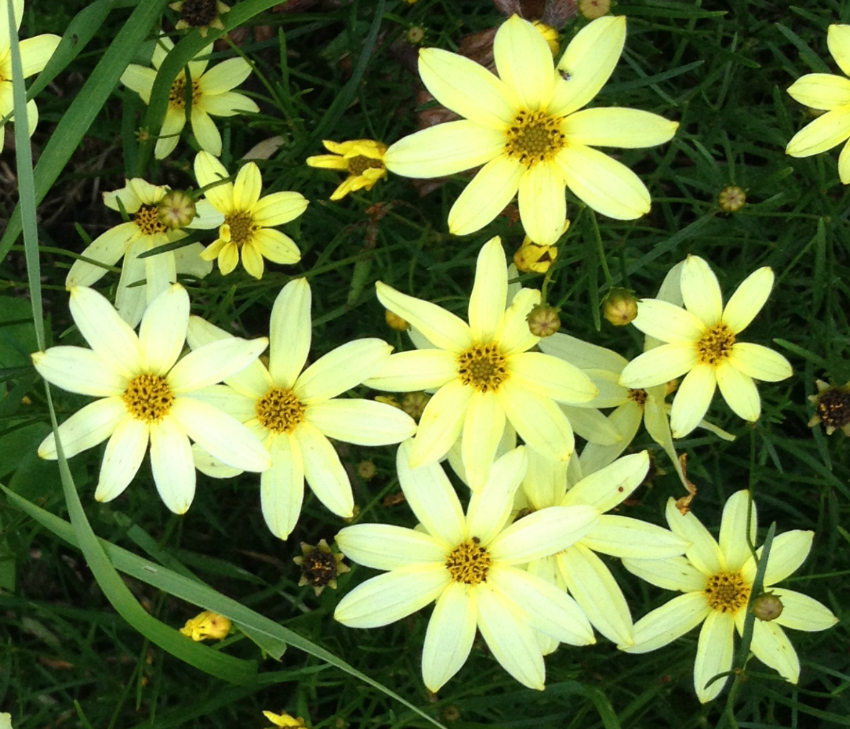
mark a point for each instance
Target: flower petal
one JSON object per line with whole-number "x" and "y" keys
{"x": 172, "y": 464}
{"x": 801, "y": 612}
{"x": 224, "y": 76}
{"x": 130, "y": 301}
{"x": 324, "y": 471}
{"x": 543, "y": 203}
{"x": 483, "y": 426}
{"x": 672, "y": 573}
{"x": 247, "y": 187}
{"x": 489, "y": 295}
{"x": 739, "y": 391}
{"x": 524, "y": 62}
{"x": 106, "y": 333}
{"x": 490, "y": 506}
{"x": 714, "y": 654}
{"x": 492, "y": 188}
{"x": 163, "y": 331}
{"x": 282, "y": 487}
{"x": 659, "y": 365}
{"x": 449, "y": 637}
{"x": 748, "y": 299}
{"x": 787, "y": 552}
{"x": 622, "y": 536}
{"x": 821, "y": 91}
{"x": 551, "y": 377}
{"x": 278, "y": 208}
{"x": 704, "y": 552}
{"x": 420, "y": 370}
{"x": 760, "y": 363}
{"x": 107, "y": 248}
{"x": 341, "y": 369}
{"x": 208, "y": 170}
{"x": 214, "y": 362}
{"x": 825, "y": 132}
{"x": 230, "y": 103}
{"x": 205, "y": 131}
{"x": 538, "y": 420}
{"x": 700, "y": 291}
{"x": 139, "y": 79}
{"x": 290, "y": 332}
{"x": 515, "y": 336}
{"x": 169, "y": 134}
{"x": 838, "y": 43}
{"x": 86, "y": 428}
{"x": 734, "y": 529}
{"x": 444, "y": 149}
{"x": 441, "y": 423}
{"x": 392, "y": 596}
{"x": 124, "y": 454}
{"x": 625, "y": 420}
{"x": 692, "y": 399}
{"x": 79, "y": 370}
{"x": 609, "y": 486}
{"x": 276, "y": 246}
{"x": 672, "y": 620}
{"x": 617, "y": 127}
{"x": 582, "y": 354}
{"x": 389, "y": 547}
{"x": 772, "y": 647}
{"x": 362, "y": 422}
{"x": 669, "y": 323}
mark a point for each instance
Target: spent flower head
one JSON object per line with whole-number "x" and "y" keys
{"x": 200, "y": 14}
{"x": 320, "y": 566}
{"x": 832, "y": 407}
{"x": 362, "y": 159}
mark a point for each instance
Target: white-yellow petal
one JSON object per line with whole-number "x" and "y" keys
{"x": 79, "y": 370}
{"x": 672, "y": 620}
{"x": 659, "y": 365}
{"x": 290, "y": 332}
{"x": 448, "y": 639}
{"x": 703, "y": 552}
{"x": 419, "y": 370}
{"x": 838, "y": 43}
{"x": 700, "y": 291}
{"x": 542, "y": 533}
{"x": 801, "y": 612}
{"x": 104, "y": 330}
{"x": 736, "y": 531}
{"x": 787, "y": 552}
{"x": 739, "y": 391}
{"x": 617, "y": 127}
{"x": 323, "y": 470}
{"x": 172, "y": 464}
{"x": 543, "y": 203}
{"x": 441, "y": 423}
{"x": 389, "y": 547}
{"x": 669, "y": 323}
{"x": 715, "y": 650}
{"x": 341, "y": 369}
{"x": 124, "y": 454}
{"x": 488, "y": 299}
{"x": 824, "y": 91}
{"x": 362, "y": 422}
{"x": 492, "y": 188}
{"x": 524, "y": 62}
{"x": 672, "y": 573}
{"x": 622, "y": 536}
{"x": 772, "y": 647}
{"x": 213, "y": 363}
{"x": 692, "y": 399}
{"x": 609, "y": 486}
{"x": 551, "y": 377}
{"x": 748, "y": 299}
{"x": 86, "y": 428}
{"x": 822, "y": 134}
{"x": 282, "y": 487}
{"x": 760, "y": 363}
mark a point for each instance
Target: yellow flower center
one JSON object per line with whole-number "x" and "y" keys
{"x": 715, "y": 345}
{"x": 148, "y": 398}
{"x": 638, "y": 397}
{"x": 359, "y": 164}
{"x": 177, "y": 95}
{"x": 469, "y": 562}
{"x": 147, "y": 220}
{"x": 727, "y": 592}
{"x": 280, "y": 411}
{"x": 534, "y": 137}
{"x": 483, "y": 367}
{"x": 241, "y": 227}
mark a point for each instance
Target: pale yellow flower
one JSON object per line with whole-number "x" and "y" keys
{"x": 524, "y": 126}
{"x": 249, "y": 220}
{"x": 363, "y": 159}
{"x": 212, "y": 95}
{"x": 717, "y": 580}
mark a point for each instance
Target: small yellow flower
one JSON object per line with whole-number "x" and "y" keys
{"x": 200, "y": 14}
{"x": 363, "y": 159}
{"x": 285, "y": 720}
{"x": 534, "y": 258}
{"x": 206, "y": 625}
{"x": 394, "y": 321}
{"x": 319, "y": 565}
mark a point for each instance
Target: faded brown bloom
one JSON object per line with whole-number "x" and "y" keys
{"x": 320, "y": 567}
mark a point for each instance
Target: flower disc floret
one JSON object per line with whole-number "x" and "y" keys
{"x": 469, "y": 562}
{"x": 715, "y": 345}
{"x": 148, "y": 398}
{"x": 280, "y": 410}
{"x": 727, "y": 592}
{"x": 483, "y": 367}
{"x": 534, "y": 137}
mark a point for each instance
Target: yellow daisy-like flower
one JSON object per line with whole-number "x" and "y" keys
{"x": 207, "y": 626}
{"x": 701, "y": 340}
{"x": 35, "y": 53}
{"x": 717, "y": 580}
{"x": 525, "y": 127}
{"x": 145, "y": 392}
{"x": 200, "y": 14}
{"x": 212, "y": 95}
{"x": 830, "y": 93}
{"x": 294, "y": 412}
{"x": 363, "y": 159}
{"x": 483, "y": 372}
{"x": 128, "y": 240}
{"x": 469, "y": 564}
{"x": 249, "y": 220}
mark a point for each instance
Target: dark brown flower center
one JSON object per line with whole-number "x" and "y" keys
{"x": 359, "y": 164}
{"x": 198, "y": 13}
{"x": 241, "y": 227}
{"x": 177, "y": 95}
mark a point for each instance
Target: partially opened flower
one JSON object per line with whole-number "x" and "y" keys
{"x": 211, "y": 92}
{"x": 145, "y": 396}
{"x": 144, "y": 232}
{"x": 717, "y": 580}
{"x": 468, "y": 564}
{"x": 294, "y": 412}
{"x": 35, "y": 53}
{"x": 830, "y": 93}
{"x": 483, "y": 372}
{"x": 362, "y": 159}
{"x": 701, "y": 340}
{"x": 525, "y": 127}
{"x": 249, "y": 220}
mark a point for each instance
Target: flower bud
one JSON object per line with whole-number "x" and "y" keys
{"x": 550, "y": 35}
{"x": 767, "y": 607}
{"x": 619, "y": 307}
{"x": 413, "y": 403}
{"x": 206, "y": 625}
{"x": 176, "y": 210}
{"x": 394, "y": 321}
{"x": 731, "y": 199}
{"x": 367, "y": 470}
{"x": 543, "y": 320}
{"x": 593, "y": 9}
{"x": 415, "y": 35}
{"x": 534, "y": 258}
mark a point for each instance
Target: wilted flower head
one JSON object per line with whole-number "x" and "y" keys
{"x": 207, "y": 625}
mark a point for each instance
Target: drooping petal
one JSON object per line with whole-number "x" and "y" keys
{"x": 736, "y": 532}
{"x": 341, "y": 369}
{"x": 772, "y": 647}
{"x": 444, "y": 149}
{"x": 86, "y": 428}
{"x": 739, "y": 391}
{"x": 609, "y": 486}
{"x": 538, "y": 420}
{"x": 107, "y": 248}
{"x": 278, "y": 208}
{"x": 389, "y": 547}
{"x": 483, "y": 426}
{"x": 392, "y": 596}
{"x": 160, "y": 272}
{"x": 290, "y": 332}
{"x": 432, "y": 498}
{"x": 704, "y": 552}
{"x": 617, "y": 127}
{"x": 172, "y": 464}
{"x": 130, "y": 301}
{"x": 606, "y": 185}
{"x": 582, "y": 354}
{"x": 442, "y": 328}
{"x": 324, "y": 471}
{"x": 492, "y": 188}
{"x": 692, "y": 399}
{"x": 760, "y": 363}
{"x": 448, "y": 639}
{"x": 124, "y": 454}
{"x": 214, "y": 362}
{"x": 79, "y": 370}
{"x": 622, "y": 536}
{"x": 420, "y": 370}
{"x": 701, "y": 291}
{"x": 659, "y": 365}
{"x": 467, "y": 88}
{"x": 787, "y": 552}
{"x": 594, "y": 588}
{"x": 672, "y": 620}
{"x": 163, "y": 331}
{"x": 488, "y": 299}
{"x": 593, "y": 426}
{"x": 748, "y": 299}
{"x": 801, "y": 612}
{"x": 827, "y": 131}
{"x": 106, "y": 333}
{"x": 626, "y": 420}
{"x": 441, "y": 423}
{"x": 672, "y": 573}
{"x": 362, "y": 422}
{"x": 714, "y": 654}
{"x": 824, "y": 91}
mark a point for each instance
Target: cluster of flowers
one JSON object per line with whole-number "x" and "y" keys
{"x": 521, "y": 564}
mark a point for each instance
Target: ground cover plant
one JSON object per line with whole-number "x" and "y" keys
{"x": 382, "y": 343}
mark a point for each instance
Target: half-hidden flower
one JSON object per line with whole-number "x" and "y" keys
{"x": 717, "y": 580}
{"x": 200, "y": 14}
{"x": 211, "y": 92}
{"x": 35, "y": 53}
{"x": 145, "y": 393}
{"x": 249, "y": 220}
{"x": 525, "y": 128}
{"x": 362, "y": 159}
{"x": 830, "y": 93}
{"x": 469, "y": 565}
{"x": 483, "y": 372}
{"x": 293, "y": 411}
{"x": 578, "y": 568}
{"x": 287, "y": 721}
{"x": 142, "y": 233}
{"x": 701, "y": 340}
{"x": 832, "y": 407}
{"x": 207, "y": 626}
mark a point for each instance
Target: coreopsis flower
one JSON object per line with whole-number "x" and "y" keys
{"x": 702, "y": 341}
{"x": 468, "y": 564}
{"x": 212, "y": 95}
{"x": 578, "y": 568}
{"x": 319, "y": 566}
{"x": 294, "y": 412}
{"x": 525, "y": 128}
{"x": 207, "y": 626}
{"x": 200, "y": 14}
{"x": 830, "y": 93}
{"x": 35, "y": 53}
{"x": 717, "y": 580}
{"x": 143, "y": 232}
{"x": 249, "y": 220}
{"x": 362, "y": 159}
{"x": 832, "y": 407}
{"x": 483, "y": 373}
{"x": 285, "y": 720}
{"x": 145, "y": 392}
